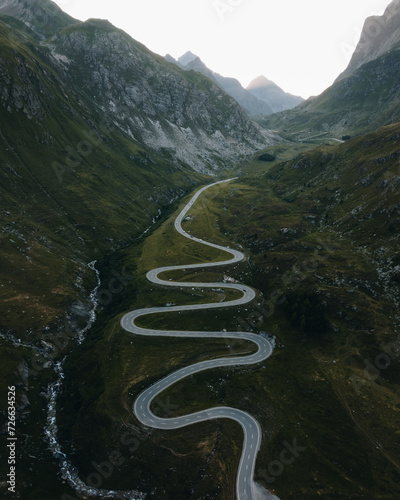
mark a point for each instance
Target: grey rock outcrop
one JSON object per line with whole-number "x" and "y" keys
{"x": 42, "y": 16}
{"x": 186, "y": 116}
{"x": 380, "y": 35}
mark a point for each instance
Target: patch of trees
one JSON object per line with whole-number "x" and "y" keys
{"x": 306, "y": 313}
{"x": 267, "y": 157}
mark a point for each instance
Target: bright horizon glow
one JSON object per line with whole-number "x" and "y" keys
{"x": 301, "y": 46}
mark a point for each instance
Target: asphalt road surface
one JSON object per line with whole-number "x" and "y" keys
{"x": 245, "y": 487}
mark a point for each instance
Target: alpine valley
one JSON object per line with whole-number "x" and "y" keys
{"x": 102, "y": 144}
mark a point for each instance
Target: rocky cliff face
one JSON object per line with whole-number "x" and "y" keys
{"x": 380, "y": 35}
{"x": 156, "y": 103}
{"x": 42, "y": 16}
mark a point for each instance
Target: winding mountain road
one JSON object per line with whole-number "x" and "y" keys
{"x": 245, "y": 487}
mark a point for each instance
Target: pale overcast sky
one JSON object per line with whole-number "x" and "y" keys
{"x": 302, "y": 45}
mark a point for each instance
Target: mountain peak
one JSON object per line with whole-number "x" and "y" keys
{"x": 170, "y": 59}
{"x": 269, "y": 92}
{"x": 260, "y": 81}
{"x": 187, "y": 58}
{"x": 44, "y": 17}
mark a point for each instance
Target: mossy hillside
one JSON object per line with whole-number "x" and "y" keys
{"x": 282, "y": 152}
{"x": 352, "y": 187}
